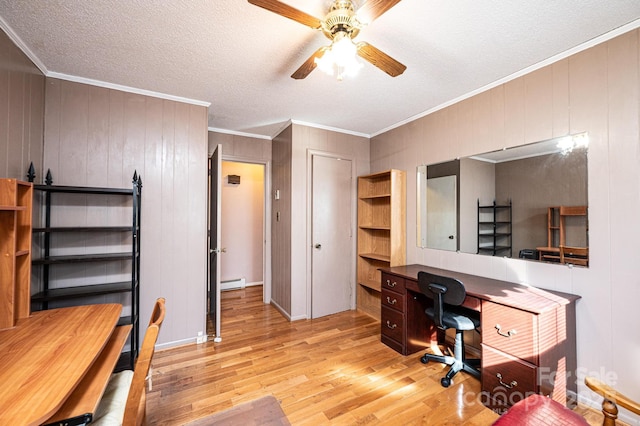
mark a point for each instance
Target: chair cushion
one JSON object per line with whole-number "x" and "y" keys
{"x": 538, "y": 410}
{"x": 110, "y": 410}
{"x": 454, "y": 318}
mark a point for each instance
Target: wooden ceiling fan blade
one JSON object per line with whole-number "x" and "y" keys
{"x": 287, "y": 11}
{"x": 380, "y": 59}
{"x": 308, "y": 65}
{"x": 372, "y": 9}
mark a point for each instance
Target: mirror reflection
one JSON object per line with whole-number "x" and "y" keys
{"x": 529, "y": 202}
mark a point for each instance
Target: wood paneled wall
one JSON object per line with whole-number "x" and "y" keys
{"x": 596, "y": 90}
{"x": 305, "y": 138}
{"x": 97, "y": 137}
{"x": 21, "y": 111}
{"x": 281, "y": 221}
{"x": 244, "y": 147}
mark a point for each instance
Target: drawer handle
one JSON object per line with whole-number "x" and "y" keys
{"x": 507, "y": 334}
{"x": 391, "y": 302}
{"x": 391, "y": 326}
{"x": 391, "y": 284}
{"x": 506, "y": 385}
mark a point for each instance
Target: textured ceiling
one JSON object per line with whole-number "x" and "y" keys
{"x": 240, "y": 57}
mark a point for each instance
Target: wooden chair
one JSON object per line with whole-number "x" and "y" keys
{"x": 612, "y": 399}
{"x": 574, "y": 255}
{"x": 124, "y": 400}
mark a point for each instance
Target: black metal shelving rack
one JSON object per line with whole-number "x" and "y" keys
{"x": 40, "y": 300}
{"x": 494, "y": 236}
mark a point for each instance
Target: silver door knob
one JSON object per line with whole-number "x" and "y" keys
{"x": 318, "y": 246}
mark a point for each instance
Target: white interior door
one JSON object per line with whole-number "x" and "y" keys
{"x": 442, "y": 213}
{"x": 215, "y": 207}
{"x": 332, "y": 238}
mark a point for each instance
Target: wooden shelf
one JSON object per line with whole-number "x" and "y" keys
{"x": 376, "y": 227}
{"x": 15, "y": 246}
{"x": 381, "y": 233}
{"x": 369, "y": 197}
{"x": 375, "y": 256}
{"x": 373, "y": 285}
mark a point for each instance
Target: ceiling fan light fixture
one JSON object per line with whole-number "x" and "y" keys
{"x": 341, "y": 25}
{"x": 340, "y": 58}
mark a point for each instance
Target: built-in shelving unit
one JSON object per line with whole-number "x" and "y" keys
{"x": 15, "y": 250}
{"x": 381, "y": 233}
{"x": 557, "y": 231}
{"x": 95, "y": 253}
{"x": 494, "y": 229}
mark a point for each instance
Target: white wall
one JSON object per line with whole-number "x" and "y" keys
{"x": 242, "y": 233}
{"x": 597, "y": 91}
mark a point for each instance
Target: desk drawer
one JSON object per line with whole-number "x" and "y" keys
{"x": 505, "y": 378}
{"x": 393, "y": 282}
{"x": 392, "y": 324}
{"x": 393, "y": 300}
{"x": 510, "y": 330}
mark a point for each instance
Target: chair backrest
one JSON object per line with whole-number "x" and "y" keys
{"x": 612, "y": 398}
{"x": 135, "y": 407}
{"x": 443, "y": 290}
{"x": 574, "y": 255}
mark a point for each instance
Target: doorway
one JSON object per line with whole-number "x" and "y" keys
{"x": 242, "y": 232}
{"x": 243, "y": 217}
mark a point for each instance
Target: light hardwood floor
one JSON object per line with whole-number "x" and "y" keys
{"x": 331, "y": 370}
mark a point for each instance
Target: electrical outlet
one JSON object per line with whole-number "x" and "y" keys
{"x": 202, "y": 338}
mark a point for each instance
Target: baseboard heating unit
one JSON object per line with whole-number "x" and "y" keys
{"x": 233, "y": 284}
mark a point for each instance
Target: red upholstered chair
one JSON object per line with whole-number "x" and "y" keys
{"x": 538, "y": 410}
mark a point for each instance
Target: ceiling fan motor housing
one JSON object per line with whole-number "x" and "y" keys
{"x": 341, "y": 19}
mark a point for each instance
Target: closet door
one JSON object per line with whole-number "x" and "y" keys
{"x": 332, "y": 257}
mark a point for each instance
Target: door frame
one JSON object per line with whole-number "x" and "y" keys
{"x": 310, "y": 154}
{"x": 266, "y": 221}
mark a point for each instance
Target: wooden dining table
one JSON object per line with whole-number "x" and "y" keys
{"x": 44, "y": 357}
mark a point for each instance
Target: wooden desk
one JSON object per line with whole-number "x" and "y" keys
{"x": 549, "y": 253}
{"x": 46, "y": 355}
{"x": 528, "y": 334}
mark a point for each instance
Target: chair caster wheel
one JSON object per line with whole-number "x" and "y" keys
{"x": 445, "y": 382}
{"x": 424, "y": 359}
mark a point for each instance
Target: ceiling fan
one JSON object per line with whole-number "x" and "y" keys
{"x": 341, "y": 25}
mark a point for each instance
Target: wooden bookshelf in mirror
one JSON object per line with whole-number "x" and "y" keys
{"x": 15, "y": 250}
{"x": 381, "y": 233}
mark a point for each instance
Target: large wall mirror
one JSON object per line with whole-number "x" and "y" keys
{"x": 528, "y": 201}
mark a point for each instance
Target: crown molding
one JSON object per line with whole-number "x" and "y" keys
{"x": 22, "y": 46}
{"x": 563, "y": 55}
{"x": 128, "y": 89}
{"x": 50, "y": 74}
{"x": 233, "y": 132}
{"x": 332, "y": 129}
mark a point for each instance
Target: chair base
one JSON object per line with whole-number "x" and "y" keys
{"x": 458, "y": 362}
{"x": 469, "y": 366}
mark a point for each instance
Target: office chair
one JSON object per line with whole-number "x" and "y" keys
{"x": 447, "y": 294}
